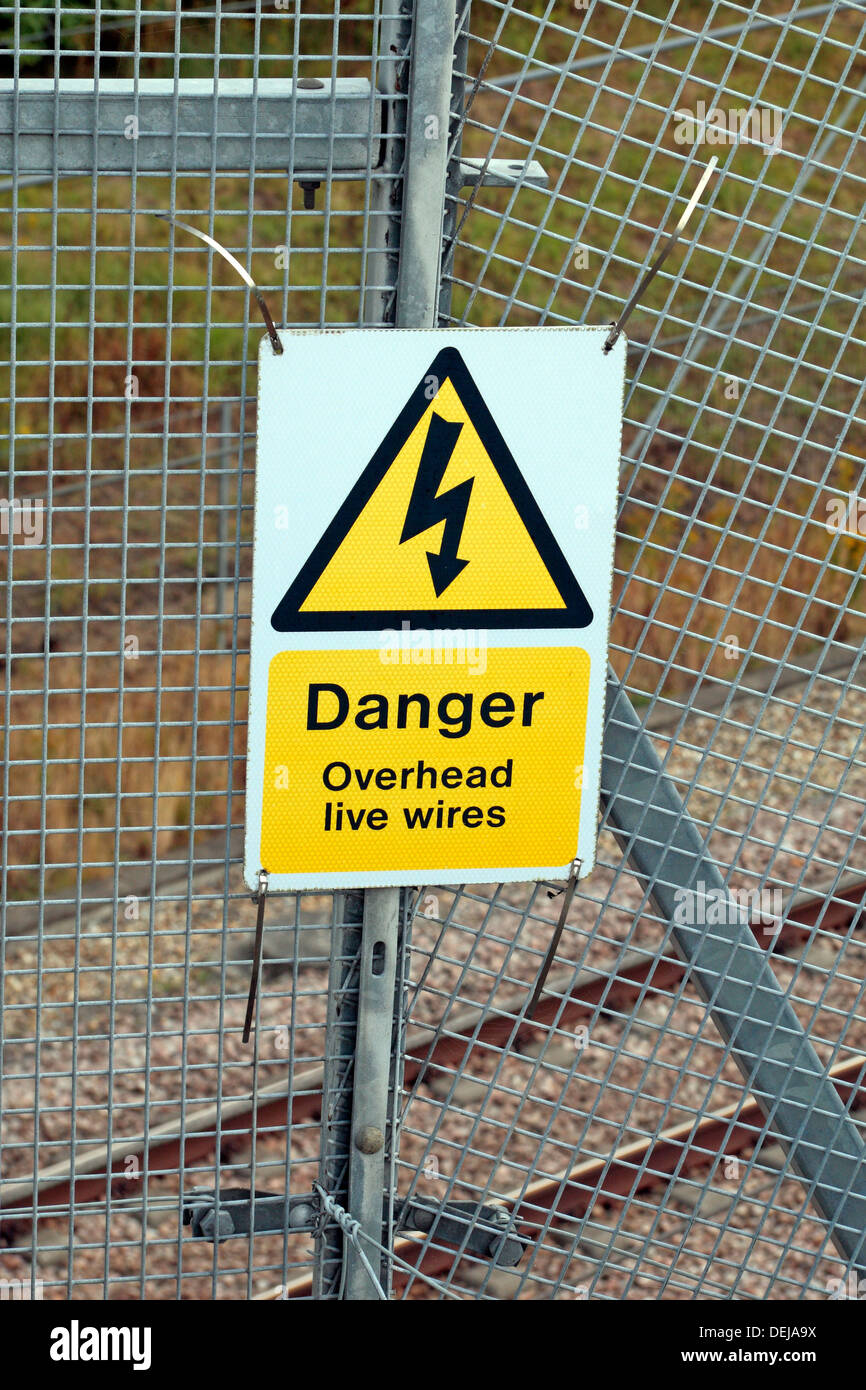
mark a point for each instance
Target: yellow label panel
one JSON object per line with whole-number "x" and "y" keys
{"x": 379, "y": 765}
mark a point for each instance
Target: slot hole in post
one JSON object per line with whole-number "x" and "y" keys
{"x": 377, "y": 959}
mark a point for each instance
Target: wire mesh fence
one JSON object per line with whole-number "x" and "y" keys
{"x": 615, "y": 1122}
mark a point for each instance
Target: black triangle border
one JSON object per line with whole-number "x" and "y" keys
{"x": 577, "y": 613}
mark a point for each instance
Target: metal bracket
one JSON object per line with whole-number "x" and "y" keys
{"x": 236, "y": 1211}
{"x": 154, "y": 125}
{"x": 487, "y": 1231}
{"x": 503, "y": 173}
{"x": 318, "y": 128}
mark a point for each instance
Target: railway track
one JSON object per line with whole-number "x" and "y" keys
{"x": 104, "y": 1171}
{"x": 631, "y": 1169}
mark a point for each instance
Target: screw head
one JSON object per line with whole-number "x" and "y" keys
{"x": 302, "y": 1215}
{"x": 369, "y": 1139}
{"x": 217, "y": 1226}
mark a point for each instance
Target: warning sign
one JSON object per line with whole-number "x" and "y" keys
{"x": 432, "y": 565}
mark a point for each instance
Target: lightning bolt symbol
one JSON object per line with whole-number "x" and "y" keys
{"x": 426, "y": 509}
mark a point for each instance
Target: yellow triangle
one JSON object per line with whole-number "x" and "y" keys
{"x": 439, "y": 525}
{"x": 372, "y": 570}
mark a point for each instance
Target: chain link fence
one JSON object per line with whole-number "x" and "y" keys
{"x": 616, "y": 1123}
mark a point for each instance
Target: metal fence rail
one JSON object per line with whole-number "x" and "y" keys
{"x": 631, "y": 1128}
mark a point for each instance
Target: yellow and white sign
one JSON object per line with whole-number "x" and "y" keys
{"x": 433, "y": 550}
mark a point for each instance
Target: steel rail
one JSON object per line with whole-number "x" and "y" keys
{"x": 632, "y": 1168}
{"x": 227, "y": 1125}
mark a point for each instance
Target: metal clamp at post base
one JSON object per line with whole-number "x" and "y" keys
{"x": 486, "y": 1231}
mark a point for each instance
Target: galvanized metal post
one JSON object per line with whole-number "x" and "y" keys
{"x": 426, "y": 170}
{"x": 732, "y": 972}
{"x": 365, "y": 1052}
{"x": 380, "y": 998}
{"x": 336, "y": 1273}
{"x": 377, "y": 977}
{"x": 456, "y": 171}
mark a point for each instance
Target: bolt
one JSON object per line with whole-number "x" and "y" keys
{"x": 369, "y": 1139}
{"x": 309, "y": 186}
{"x": 216, "y": 1225}
{"x": 496, "y": 1248}
{"x": 301, "y": 1214}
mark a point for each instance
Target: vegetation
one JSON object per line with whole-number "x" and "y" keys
{"x": 137, "y": 476}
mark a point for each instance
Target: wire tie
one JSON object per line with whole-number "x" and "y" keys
{"x": 616, "y": 328}
{"x": 234, "y": 263}
{"x": 351, "y": 1228}
{"x": 554, "y": 942}
{"x": 261, "y": 896}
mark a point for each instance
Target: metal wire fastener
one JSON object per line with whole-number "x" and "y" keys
{"x": 234, "y": 263}
{"x": 657, "y": 264}
{"x": 257, "y": 952}
{"x": 554, "y": 941}
{"x": 352, "y": 1232}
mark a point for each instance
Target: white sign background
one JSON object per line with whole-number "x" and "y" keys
{"x": 324, "y": 407}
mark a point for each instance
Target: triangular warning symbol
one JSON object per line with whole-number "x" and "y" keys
{"x": 440, "y": 529}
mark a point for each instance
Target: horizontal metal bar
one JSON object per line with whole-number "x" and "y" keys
{"x": 196, "y": 124}
{"x": 126, "y": 126}
{"x": 480, "y": 1228}
{"x": 687, "y": 39}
